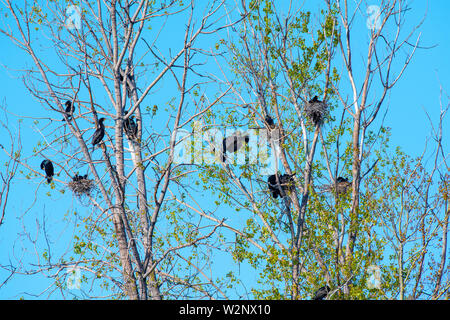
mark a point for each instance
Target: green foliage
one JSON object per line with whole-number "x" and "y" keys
{"x": 274, "y": 264}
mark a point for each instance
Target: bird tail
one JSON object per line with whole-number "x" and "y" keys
{"x": 49, "y": 179}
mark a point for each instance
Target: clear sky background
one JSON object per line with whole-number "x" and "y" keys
{"x": 416, "y": 93}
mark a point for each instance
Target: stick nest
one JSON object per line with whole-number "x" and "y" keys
{"x": 81, "y": 186}
{"x": 316, "y": 111}
{"x": 340, "y": 186}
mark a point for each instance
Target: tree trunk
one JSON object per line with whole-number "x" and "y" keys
{"x": 356, "y": 172}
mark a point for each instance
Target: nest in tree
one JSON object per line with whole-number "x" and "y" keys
{"x": 316, "y": 111}
{"x": 81, "y": 185}
{"x": 340, "y": 186}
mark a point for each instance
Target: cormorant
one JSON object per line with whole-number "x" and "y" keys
{"x": 272, "y": 183}
{"x": 128, "y": 82}
{"x": 47, "y": 165}
{"x": 286, "y": 183}
{"x": 321, "y": 293}
{"x": 269, "y": 122}
{"x": 130, "y": 128}
{"x": 69, "y": 110}
{"x": 233, "y": 143}
{"x": 77, "y": 177}
{"x": 313, "y": 100}
{"x": 99, "y": 133}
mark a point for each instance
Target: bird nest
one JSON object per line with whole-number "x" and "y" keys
{"x": 316, "y": 111}
{"x": 81, "y": 186}
{"x": 341, "y": 186}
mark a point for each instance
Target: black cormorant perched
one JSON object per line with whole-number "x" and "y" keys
{"x": 69, "y": 110}
{"x": 99, "y": 133}
{"x": 233, "y": 143}
{"x": 272, "y": 183}
{"x": 286, "y": 184}
{"x": 47, "y": 165}
{"x": 269, "y": 122}
{"x": 321, "y": 293}
{"x": 130, "y": 128}
{"x": 77, "y": 177}
{"x": 128, "y": 82}
{"x": 313, "y": 100}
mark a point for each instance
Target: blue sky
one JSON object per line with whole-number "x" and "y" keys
{"x": 418, "y": 91}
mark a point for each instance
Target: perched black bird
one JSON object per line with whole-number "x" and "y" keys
{"x": 321, "y": 293}
{"x": 129, "y": 83}
{"x": 286, "y": 183}
{"x": 130, "y": 128}
{"x": 269, "y": 122}
{"x": 77, "y": 177}
{"x": 313, "y": 100}
{"x": 99, "y": 133}
{"x": 69, "y": 110}
{"x": 233, "y": 143}
{"x": 272, "y": 183}
{"x": 47, "y": 165}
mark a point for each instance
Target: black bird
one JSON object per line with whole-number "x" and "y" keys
{"x": 130, "y": 128}
{"x": 77, "y": 177}
{"x": 47, "y": 165}
{"x": 313, "y": 100}
{"x": 269, "y": 122}
{"x": 286, "y": 183}
{"x": 99, "y": 133}
{"x": 321, "y": 293}
{"x": 233, "y": 143}
{"x": 128, "y": 82}
{"x": 69, "y": 110}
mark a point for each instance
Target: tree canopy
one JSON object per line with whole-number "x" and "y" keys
{"x": 173, "y": 125}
